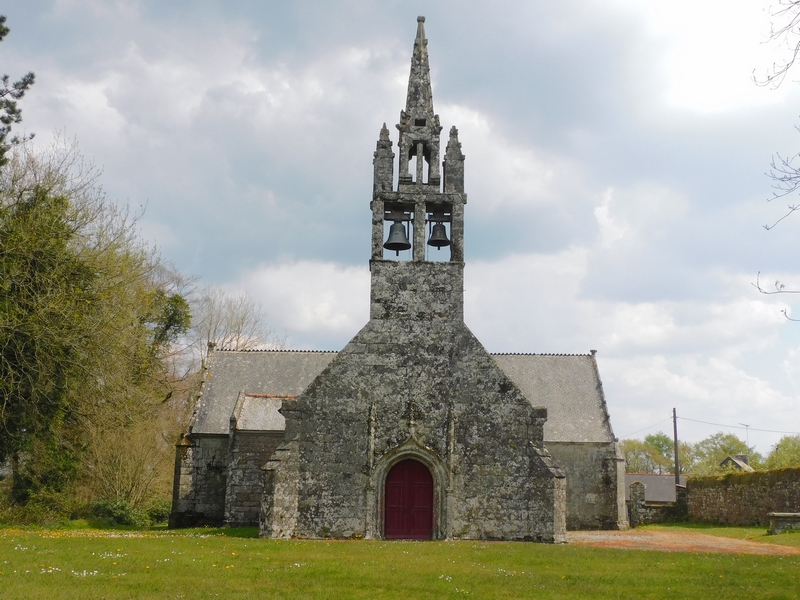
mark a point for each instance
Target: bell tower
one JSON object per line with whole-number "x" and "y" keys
{"x": 418, "y": 223}
{"x": 425, "y": 214}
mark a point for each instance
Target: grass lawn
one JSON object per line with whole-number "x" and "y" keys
{"x": 206, "y": 563}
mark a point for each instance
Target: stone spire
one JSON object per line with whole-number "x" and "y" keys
{"x": 419, "y": 100}
{"x": 419, "y": 126}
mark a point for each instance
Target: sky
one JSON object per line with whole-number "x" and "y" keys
{"x": 615, "y": 166}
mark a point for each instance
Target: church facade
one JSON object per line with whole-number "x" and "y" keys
{"x": 412, "y": 430}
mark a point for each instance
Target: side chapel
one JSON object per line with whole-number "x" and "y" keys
{"x": 413, "y": 430}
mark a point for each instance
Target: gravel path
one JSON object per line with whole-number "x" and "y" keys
{"x": 675, "y": 541}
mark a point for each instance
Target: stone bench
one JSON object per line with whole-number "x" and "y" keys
{"x": 783, "y": 521}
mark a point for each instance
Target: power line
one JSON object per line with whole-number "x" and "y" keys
{"x": 646, "y": 428}
{"x": 737, "y": 426}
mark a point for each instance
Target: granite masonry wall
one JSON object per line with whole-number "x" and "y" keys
{"x": 592, "y": 502}
{"x": 743, "y": 498}
{"x": 201, "y": 466}
{"x": 641, "y": 512}
{"x": 249, "y": 452}
{"x": 415, "y": 383}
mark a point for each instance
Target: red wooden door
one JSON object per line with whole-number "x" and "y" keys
{"x": 408, "y": 504}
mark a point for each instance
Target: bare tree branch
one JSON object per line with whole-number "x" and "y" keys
{"x": 784, "y": 28}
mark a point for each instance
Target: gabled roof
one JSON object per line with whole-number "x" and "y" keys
{"x": 567, "y": 385}
{"x": 737, "y": 463}
{"x": 257, "y": 372}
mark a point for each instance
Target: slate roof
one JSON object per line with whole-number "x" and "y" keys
{"x": 737, "y": 463}
{"x": 567, "y": 385}
{"x": 657, "y": 488}
{"x": 265, "y": 372}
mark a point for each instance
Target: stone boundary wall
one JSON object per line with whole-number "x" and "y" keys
{"x": 645, "y": 513}
{"x": 743, "y": 498}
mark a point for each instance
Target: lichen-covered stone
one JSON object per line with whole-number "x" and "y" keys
{"x": 415, "y": 383}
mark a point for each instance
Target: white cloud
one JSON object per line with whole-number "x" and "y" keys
{"x": 315, "y": 300}
{"x": 604, "y": 136}
{"x": 505, "y": 174}
{"x": 708, "y": 51}
{"x": 698, "y": 356}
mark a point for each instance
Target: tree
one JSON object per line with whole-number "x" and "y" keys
{"x": 664, "y": 445}
{"x": 84, "y": 321}
{"x": 786, "y": 453}
{"x": 641, "y": 457}
{"x": 10, "y": 93}
{"x": 230, "y": 322}
{"x": 784, "y": 170}
{"x": 785, "y": 29}
{"x": 715, "y": 448}
{"x": 687, "y": 458}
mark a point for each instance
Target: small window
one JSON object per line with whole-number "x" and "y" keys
{"x": 419, "y": 122}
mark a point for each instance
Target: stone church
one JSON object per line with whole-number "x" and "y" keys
{"x": 413, "y": 430}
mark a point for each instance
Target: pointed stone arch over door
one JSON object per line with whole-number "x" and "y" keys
{"x": 408, "y": 496}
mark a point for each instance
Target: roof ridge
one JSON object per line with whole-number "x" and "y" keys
{"x": 536, "y": 354}
{"x": 275, "y": 350}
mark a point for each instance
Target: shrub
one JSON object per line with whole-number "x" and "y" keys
{"x": 119, "y": 511}
{"x": 158, "y": 511}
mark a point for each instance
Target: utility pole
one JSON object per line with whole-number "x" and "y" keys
{"x": 675, "y": 443}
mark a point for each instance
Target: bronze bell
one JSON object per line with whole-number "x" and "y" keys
{"x": 398, "y": 240}
{"x": 438, "y": 236}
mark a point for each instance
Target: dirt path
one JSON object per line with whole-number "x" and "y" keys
{"x": 675, "y": 541}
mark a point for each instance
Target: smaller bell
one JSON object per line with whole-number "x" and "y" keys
{"x": 398, "y": 240}
{"x": 438, "y": 236}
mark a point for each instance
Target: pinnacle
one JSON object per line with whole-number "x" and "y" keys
{"x": 419, "y": 101}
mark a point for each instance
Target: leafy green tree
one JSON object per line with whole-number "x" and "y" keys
{"x": 663, "y": 445}
{"x": 641, "y": 457}
{"x": 655, "y": 455}
{"x": 712, "y": 450}
{"x": 85, "y": 321}
{"x": 10, "y": 93}
{"x": 786, "y": 453}
{"x": 687, "y": 458}
{"x": 44, "y": 291}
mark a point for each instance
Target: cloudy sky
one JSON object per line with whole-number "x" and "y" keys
{"x": 615, "y": 165}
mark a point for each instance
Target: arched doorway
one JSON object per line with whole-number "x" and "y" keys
{"x": 408, "y": 508}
